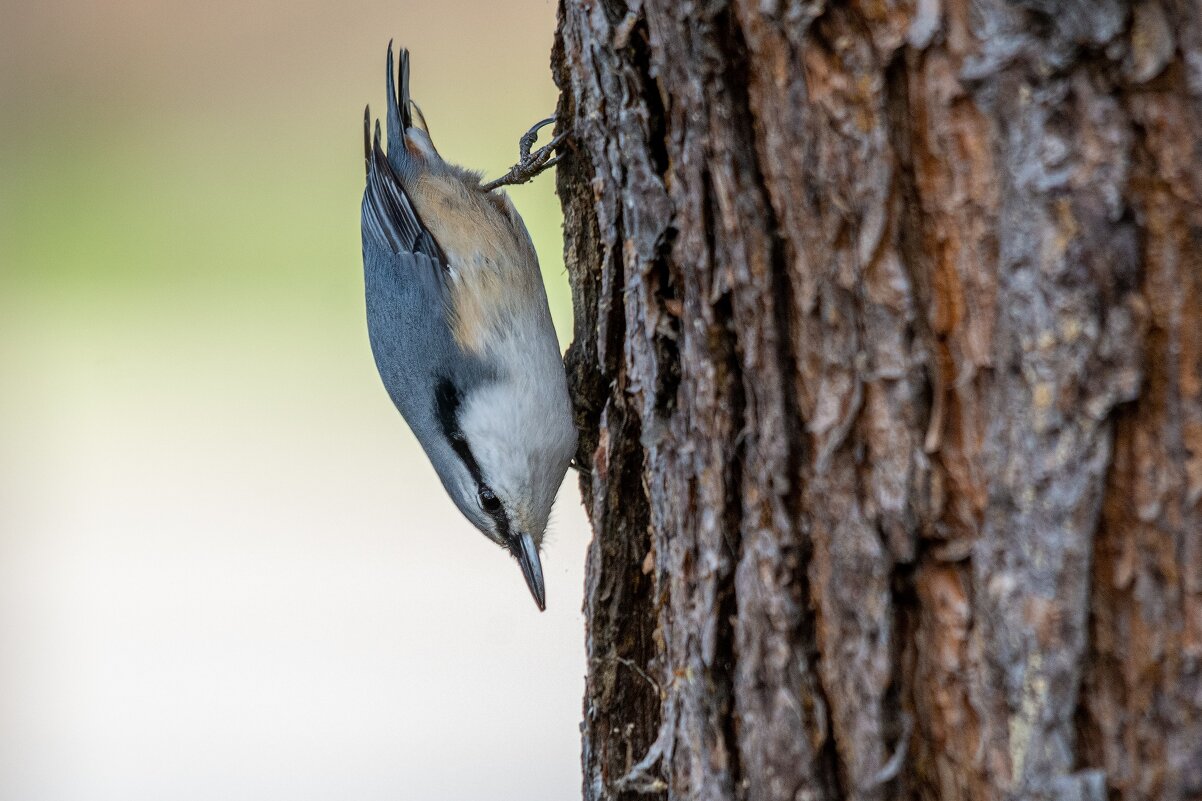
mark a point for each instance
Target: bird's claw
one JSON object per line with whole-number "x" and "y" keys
{"x": 530, "y": 164}
{"x": 528, "y": 138}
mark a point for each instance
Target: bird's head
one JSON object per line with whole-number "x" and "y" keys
{"x": 513, "y": 441}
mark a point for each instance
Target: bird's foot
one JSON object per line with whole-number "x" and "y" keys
{"x": 530, "y": 164}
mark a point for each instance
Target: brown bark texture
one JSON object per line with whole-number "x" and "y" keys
{"x": 888, "y": 366}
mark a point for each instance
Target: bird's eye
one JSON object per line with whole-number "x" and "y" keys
{"x": 489, "y": 501}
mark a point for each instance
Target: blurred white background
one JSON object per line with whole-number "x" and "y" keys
{"x": 226, "y": 571}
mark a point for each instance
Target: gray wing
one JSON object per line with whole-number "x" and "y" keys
{"x": 389, "y": 218}
{"x": 405, "y": 285}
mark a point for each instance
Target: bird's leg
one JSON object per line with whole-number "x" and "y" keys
{"x": 530, "y": 164}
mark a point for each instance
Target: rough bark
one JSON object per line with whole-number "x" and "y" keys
{"x": 888, "y": 363}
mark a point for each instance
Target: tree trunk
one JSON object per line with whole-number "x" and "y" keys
{"x": 888, "y": 364}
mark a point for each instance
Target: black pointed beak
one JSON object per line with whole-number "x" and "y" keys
{"x": 526, "y": 552}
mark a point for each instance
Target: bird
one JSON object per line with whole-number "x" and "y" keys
{"x": 460, "y": 329}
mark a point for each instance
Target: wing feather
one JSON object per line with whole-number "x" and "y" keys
{"x": 389, "y": 218}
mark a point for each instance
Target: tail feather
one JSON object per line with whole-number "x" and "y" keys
{"x": 367, "y": 139}
{"x": 398, "y": 111}
{"x": 400, "y": 114}
{"x": 404, "y": 100}
{"x": 409, "y": 147}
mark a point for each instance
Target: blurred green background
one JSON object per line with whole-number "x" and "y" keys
{"x": 225, "y": 569}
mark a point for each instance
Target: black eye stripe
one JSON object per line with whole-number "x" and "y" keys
{"x": 446, "y": 406}
{"x": 446, "y": 401}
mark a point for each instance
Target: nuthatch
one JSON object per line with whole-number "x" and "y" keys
{"x": 460, "y": 330}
